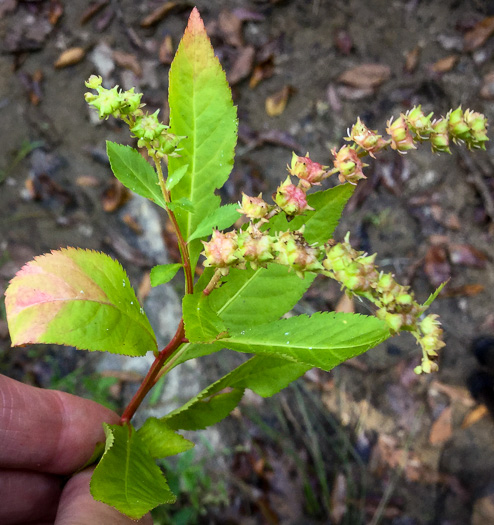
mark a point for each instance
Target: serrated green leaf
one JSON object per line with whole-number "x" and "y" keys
{"x": 266, "y": 375}
{"x": 202, "y": 323}
{"x": 321, "y": 223}
{"x": 323, "y": 340}
{"x": 181, "y": 204}
{"x": 163, "y": 273}
{"x": 202, "y": 413}
{"x": 162, "y": 441}
{"x": 201, "y": 109}
{"x": 243, "y": 300}
{"x": 174, "y": 178}
{"x": 434, "y": 295}
{"x": 127, "y": 477}
{"x": 134, "y": 172}
{"x": 222, "y": 218}
{"x": 78, "y": 298}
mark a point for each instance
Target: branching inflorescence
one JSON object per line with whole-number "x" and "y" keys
{"x": 355, "y": 271}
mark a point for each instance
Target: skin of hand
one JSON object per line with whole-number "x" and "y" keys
{"x": 46, "y": 436}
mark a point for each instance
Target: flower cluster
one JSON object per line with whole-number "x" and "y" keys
{"x": 126, "y": 105}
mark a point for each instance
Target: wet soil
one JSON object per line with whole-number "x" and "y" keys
{"x": 406, "y": 445}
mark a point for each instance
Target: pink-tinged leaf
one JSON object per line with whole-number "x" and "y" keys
{"x": 80, "y": 298}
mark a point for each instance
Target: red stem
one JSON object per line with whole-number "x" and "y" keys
{"x": 151, "y": 377}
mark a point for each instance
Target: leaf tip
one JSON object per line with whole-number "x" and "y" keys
{"x": 195, "y": 24}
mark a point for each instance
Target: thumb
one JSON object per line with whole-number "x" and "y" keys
{"x": 77, "y": 506}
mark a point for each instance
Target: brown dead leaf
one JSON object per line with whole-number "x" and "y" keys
{"x": 276, "y": 104}
{"x": 158, "y": 14}
{"x": 93, "y": 9}
{"x": 261, "y": 72}
{"x": 365, "y": 75}
{"x": 55, "y": 11}
{"x": 436, "y": 265}
{"x": 476, "y": 37}
{"x": 475, "y": 415}
{"x": 32, "y": 83}
{"x": 412, "y": 59}
{"x": 166, "y": 50}
{"x": 242, "y": 65}
{"x": 132, "y": 224}
{"x": 455, "y": 393}
{"x": 70, "y": 57}
{"x": 128, "y": 61}
{"x": 115, "y": 196}
{"x": 231, "y": 28}
{"x": 487, "y": 89}
{"x": 445, "y": 64}
{"x": 466, "y": 290}
{"x": 467, "y": 255}
{"x": 345, "y": 304}
{"x": 144, "y": 287}
{"x": 442, "y": 428}
{"x": 87, "y": 181}
{"x": 339, "y": 499}
{"x": 483, "y": 511}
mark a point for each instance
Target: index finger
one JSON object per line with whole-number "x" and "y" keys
{"x": 47, "y": 430}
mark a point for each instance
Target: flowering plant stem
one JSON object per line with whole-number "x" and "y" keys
{"x": 252, "y": 251}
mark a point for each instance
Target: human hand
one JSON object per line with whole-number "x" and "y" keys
{"x": 46, "y": 436}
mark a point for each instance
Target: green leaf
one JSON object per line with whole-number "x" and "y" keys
{"x": 251, "y": 297}
{"x": 134, "y": 172}
{"x": 321, "y": 223}
{"x": 222, "y": 218}
{"x": 202, "y": 324}
{"x": 163, "y": 273}
{"x": 78, "y": 298}
{"x": 181, "y": 204}
{"x": 266, "y": 375}
{"x": 434, "y": 295}
{"x": 127, "y": 477}
{"x": 201, "y": 108}
{"x": 203, "y": 412}
{"x": 175, "y": 177}
{"x": 160, "y": 440}
{"x": 323, "y": 340}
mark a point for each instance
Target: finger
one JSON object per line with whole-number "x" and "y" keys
{"x": 28, "y": 497}
{"x": 77, "y": 506}
{"x": 47, "y": 430}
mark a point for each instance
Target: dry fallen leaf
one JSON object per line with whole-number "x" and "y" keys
{"x": 467, "y": 255}
{"x": 261, "y": 72}
{"x": 70, "y": 57}
{"x": 442, "y": 428}
{"x": 114, "y": 196}
{"x": 242, "y": 66}
{"x": 445, "y": 64}
{"x": 479, "y": 34}
{"x": 87, "y": 181}
{"x": 412, "y": 59}
{"x": 487, "y": 89}
{"x": 436, "y": 265}
{"x": 166, "y": 50}
{"x": 132, "y": 224}
{"x": 55, "y": 11}
{"x": 466, "y": 290}
{"x": 144, "y": 287}
{"x": 128, "y": 61}
{"x": 231, "y": 28}
{"x": 93, "y": 9}
{"x": 276, "y": 104}
{"x": 158, "y": 14}
{"x": 365, "y": 75}
{"x": 475, "y": 415}
{"x": 345, "y": 304}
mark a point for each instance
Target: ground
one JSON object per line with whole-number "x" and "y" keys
{"x": 369, "y": 442}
